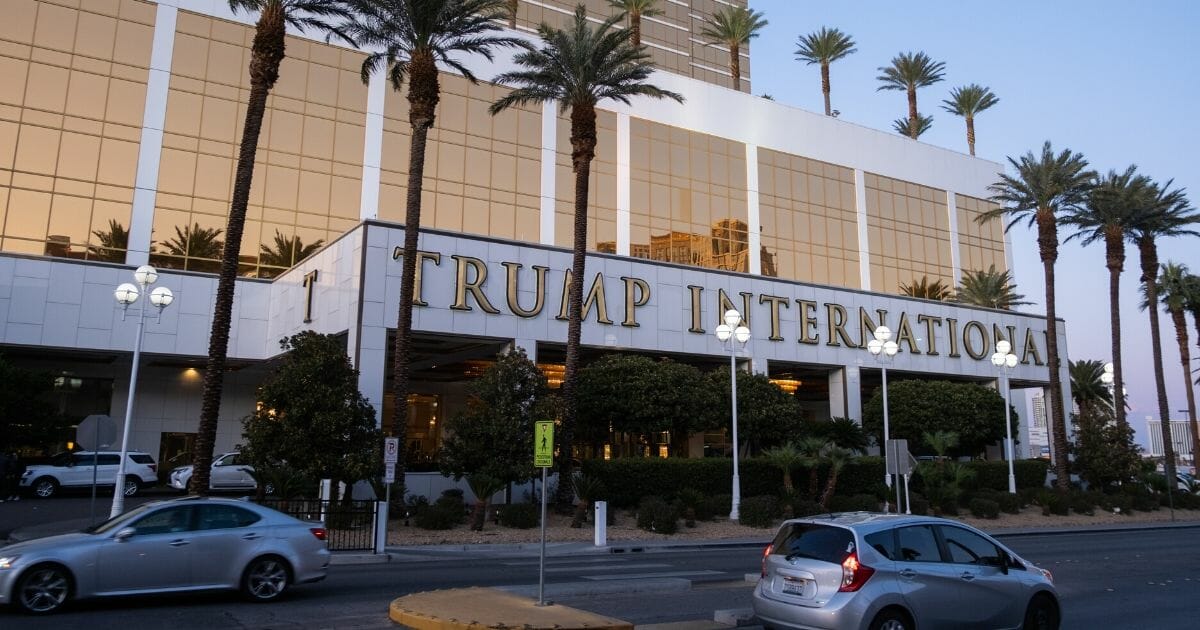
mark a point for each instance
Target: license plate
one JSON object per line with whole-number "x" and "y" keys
{"x": 794, "y": 586}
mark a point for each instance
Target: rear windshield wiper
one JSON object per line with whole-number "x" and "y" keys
{"x": 799, "y": 554}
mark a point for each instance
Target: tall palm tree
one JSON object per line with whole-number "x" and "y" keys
{"x": 513, "y": 5}
{"x": 1168, "y": 214}
{"x": 785, "y": 458}
{"x": 285, "y": 251}
{"x": 908, "y": 72}
{"x": 923, "y": 288}
{"x": 824, "y": 47}
{"x": 1044, "y": 187}
{"x": 408, "y": 39}
{"x": 812, "y": 449}
{"x": 968, "y": 101}
{"x": 266, "y": 55}
{"x": 113, "y": 243}
{"x": 578, "y": 68}
{"x": 636, "y": 10}
{"x": 903, "y": 126}
{"x": 734, "y": 27}
{"x": 989, "y": 288}
{"x": 1173, "y": 287}
{"x": 1107, "y": 215}
{"x": 1192, "y": 305}
{"x": 1087, "y": 386}
{"x": 193, "y": 241}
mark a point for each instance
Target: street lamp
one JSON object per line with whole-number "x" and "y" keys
{"x": 734, "y": 329}
{"x": 127, "y": 294}
{"x": 1005, "y": 360}
{"x": 884, "y": 350}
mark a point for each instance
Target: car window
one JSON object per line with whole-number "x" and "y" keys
{"x": 884, "y": 542}
{"x": 169, "y": 520}
{"x": 106, "y": 459}
{"x": 83, "y": 459}
{"x": 225, "y": 517}
{"x": 967, "y": 547}
{"x": 62, "y": 459}
{"x": 917, "y": 544}
{"x": 815, "y": 541}
{"x": 141, "y": 458}
{"x": 229, "y": 460}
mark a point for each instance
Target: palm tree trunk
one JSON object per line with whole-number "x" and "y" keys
{"x": 635, "y": 28}
{"x": 912, "y": 113}
{"x": 266, "y": 55}
{"x": 1048, "y": 250}
{"x": 583, "y": 150}
{"x": 512, "y": 13}
{"x": 1149, "y": 259}
{"x": 735, "y": 66}
{"x": 830, "y": 485}
{"x": 971, "y": 134}
{"x": 1115, "y": 248}
{"x": 825, "y": 88}
{"x": 1185, "y": 359}
{"x": 423, "y": 91}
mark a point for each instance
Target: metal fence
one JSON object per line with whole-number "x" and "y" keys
{"x": 349, "y": 526}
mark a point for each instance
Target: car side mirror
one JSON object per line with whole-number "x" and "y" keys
{"x": 124, "y": 534}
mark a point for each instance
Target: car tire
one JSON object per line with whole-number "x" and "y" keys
{"x": 43, "y": 589}
{"x": 266, "y": 578}
{"x": 891, "y": 619}
{"x": 44, "y": 487}
{"x": 132, "y": 486}
{"x": 1042, "y": 614}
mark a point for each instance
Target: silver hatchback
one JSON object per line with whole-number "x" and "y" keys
{"x": 187, "y": 544}
{"x": 866, "y": 571}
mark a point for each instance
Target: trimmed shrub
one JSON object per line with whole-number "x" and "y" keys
{"x": 802, "y": 507}
{"x": 452, "y": 502}
{"x": 760, "y": 511}
{"x": 948, "y": 507}
{"x": 1082, "y": 503}
{"x": 1009, "y": 503}
{"x": 1145, "y": 502}
{"x": 993, "y": 475}
{"x": 521, "y": 515}
{"x": 985, "y": 508}
{"x": 918, "y": 504}
{"x": 438, "y": 517}
{"x": 694, "y": 505}
{"x": 720, "y": 504}
{"x": 1054, "y": 502}
{"x": 856, "y": 503}
{"x": 655, "y": 515}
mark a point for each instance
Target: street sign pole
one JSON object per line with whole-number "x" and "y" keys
{"x": 391, "y": 455}
{"x": 543, "y": 457}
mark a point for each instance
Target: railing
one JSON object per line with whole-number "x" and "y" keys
{"x": 349, "y": 525}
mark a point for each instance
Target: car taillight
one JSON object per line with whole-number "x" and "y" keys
{"x": 319, "y": 532}
{"x": 854, "y": 574}
{"x": 766, "y": 554}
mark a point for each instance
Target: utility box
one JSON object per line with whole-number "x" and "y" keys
{"x": 601, "y": 523}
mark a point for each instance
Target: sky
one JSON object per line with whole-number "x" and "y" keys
{"x": 1115, "y": 81}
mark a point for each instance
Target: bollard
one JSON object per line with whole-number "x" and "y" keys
{"x": 381, "y": 524}
{"x": 325, "y": 493}
{"x": 601, "y": 523}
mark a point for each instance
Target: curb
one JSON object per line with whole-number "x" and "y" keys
{"x": 346, "y": 559}
{"x": 478, "y": 608}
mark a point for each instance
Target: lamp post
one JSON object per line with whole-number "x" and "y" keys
{"x": 1005, "y": 360}
{"x": 127, "y": 294}
{"x": 1109, "y": 379}
{"x": 884, "y": 350}
{"x": 734, "y": 330}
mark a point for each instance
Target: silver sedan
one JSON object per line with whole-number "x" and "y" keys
{"x": 187, "y": 544}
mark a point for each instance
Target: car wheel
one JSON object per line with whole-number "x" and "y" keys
{"x": 132, "y": 486}
{"x": 891, "y": 619}
{"x": 45, "y": 487}
{"x": 265, "y": 579}
{"x": 1042, "y": 614}
{"x": 43, "y": 589}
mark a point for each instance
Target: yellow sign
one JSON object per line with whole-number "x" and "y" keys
{"x": 543, "y": 444}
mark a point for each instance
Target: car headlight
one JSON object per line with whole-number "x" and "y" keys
{"x": 6, "y": 562}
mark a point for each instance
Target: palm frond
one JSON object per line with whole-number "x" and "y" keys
{"x": 902, "y": 125}
{"x": 969, "y": 100}
{"x": 733, "y": 26}
{"x": 909, "y": 71}
{"x": 923, "y": 288}
{"x": 990, "y": 288}
{"x": 1055, "y": 183}
{"x": 824, "y": 46}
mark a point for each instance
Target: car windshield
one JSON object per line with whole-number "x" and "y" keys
{"x": 117, "y": 521}
{"x": 814, "y": 541}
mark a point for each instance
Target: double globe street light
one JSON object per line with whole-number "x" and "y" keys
{"x": 127, "y": 294}
{"x": 1005, "y": 360}
{"x": 884, "y": 350}
{"x": 734, "y": 330}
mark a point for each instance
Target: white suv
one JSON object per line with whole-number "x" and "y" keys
{"x": 78, "y": 469}
{"x": 229, "y": 472}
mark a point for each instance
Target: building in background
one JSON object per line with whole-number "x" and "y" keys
{"x": 1181, "y": 439}
{"x": 1039, "y": 436}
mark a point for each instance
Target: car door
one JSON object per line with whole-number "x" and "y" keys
{"x": 227, "y": 537}
{"x": 225, "y": 473}
{"x": 78, "y": 472}
{"x": 989, "y": 595}
{"x": 156, "y": 557}
{"x": 927, "y": 583}
{"x": 107, "y": 466}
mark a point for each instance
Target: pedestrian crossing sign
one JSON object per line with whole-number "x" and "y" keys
{"x": 543, "y": 444}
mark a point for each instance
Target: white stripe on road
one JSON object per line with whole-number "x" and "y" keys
{"x": 642, "y": 576}
{"x": 610, "y": 567}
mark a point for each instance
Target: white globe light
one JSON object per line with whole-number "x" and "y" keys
{"x": 742, "y": 334}
{"x": 1003, "y": 347}
{"x": 1010, "y": 361}
{"x": 724, "y": 331}
{"x": 1108, "y": 368}
{"x": 126, "y": 293}
{"x": 998, "y": 359}
{"x": 162, "y": 297}
{"x": 732, "y": 317}
{"x": 890, "y": 348}
{"x": 883, "y": 333}
{"x": 1107, "y": 378}
{"x": 145, "y": 275}
{"x": 874, "y": 346}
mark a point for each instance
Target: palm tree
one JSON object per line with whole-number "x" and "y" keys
{"x": 636, "y": 10}
{"x": 1087, "y": 386}
{"x": 824, "y": 47}
{"x": 1193, "y": 306}
{"x": 991, "y": 289}
{"x": 838, "y": 458}
{"x": 113, "y": 243}
{"x": 812, "y": 450}
{"x": 785, "y": 458}
{"x": 734, "y": 27}
{"x": 903, "y": 126}
{"x": 1173, "y": 287}
{"x": 266, "y": 55}
{"x": 408, "y": 40}
{"x": 1168, "y": 214}
{"x": 1044, "y": 187}
{"x": 483, "y": 486}
{"x": 908, "y": 72}
{"x": 512, "y": 13}
{"x": 287, "y": 251}
{"x": 923, "y": 288}
{"x": 967, "y": 101}
{"x": 578, "y": 68}
{"x": 1107, "y": 215}
{"x": 193, "y": 241}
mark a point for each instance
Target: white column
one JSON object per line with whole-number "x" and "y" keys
{"x": 373, "y": 146}
{"x": 837, "y": 393}
{"x": 549, "y": 146}
{"x": 955, "y": 258}
{"x": 853, "y": 379}
{"x": 864, "y": 248}
{"x": 623, "y": 183}
{"x": 753, "y": 217}
{"x": 154, "y": 114}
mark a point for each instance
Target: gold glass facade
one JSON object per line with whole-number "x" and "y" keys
{"x": 979, "y": 245}
{"x": 482, "y": 172}
{"x": 687, "y": 197}
{"x": 602, "y": 189}
{"x": 809, "y": 221}
{"x": 908, "y": 233}
{"x": 308, "y": 171}
{"x": 73, "y": 91}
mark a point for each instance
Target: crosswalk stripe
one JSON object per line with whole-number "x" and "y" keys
{"x": 642, "y": 576}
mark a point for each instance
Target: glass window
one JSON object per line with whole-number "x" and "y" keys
{"x": 225, "y": 517}
{"x": 811, "y": 540}
{"x": 165, "y": 521}
{"x": 110, "y": 459}
{"x": 918, "y": 544}
{"x": 83, "y": 459}
{"x": 884, "y": 542}
{"x": 967, "y": 547}
{"x": 141, "y": 458}
{"x": 229, "y": 460}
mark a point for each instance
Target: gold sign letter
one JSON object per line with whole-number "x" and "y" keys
{"x": 837, "y": 325}
{"x": 1030, "y": 348}
{"x": 310, "y": 281}
{"x": 436, "y": 257}
{"x": 930, "y": 334}
{"x": 808, "y": 322}
{"x": 594, "y": 295}
{"x": 697, "y": 320}
{"x": 727, "y": 304}
{"x": 983, "y": 340}
{"x": 905, "y": 335}
{"x": 462, "y": 285}
{"x": 637, "y": 293}
{"x": 774, "y": 301}
{"x": 867, "y": 326}
{"x": 952, "y": 328}
{"x": 539, "y": 293}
